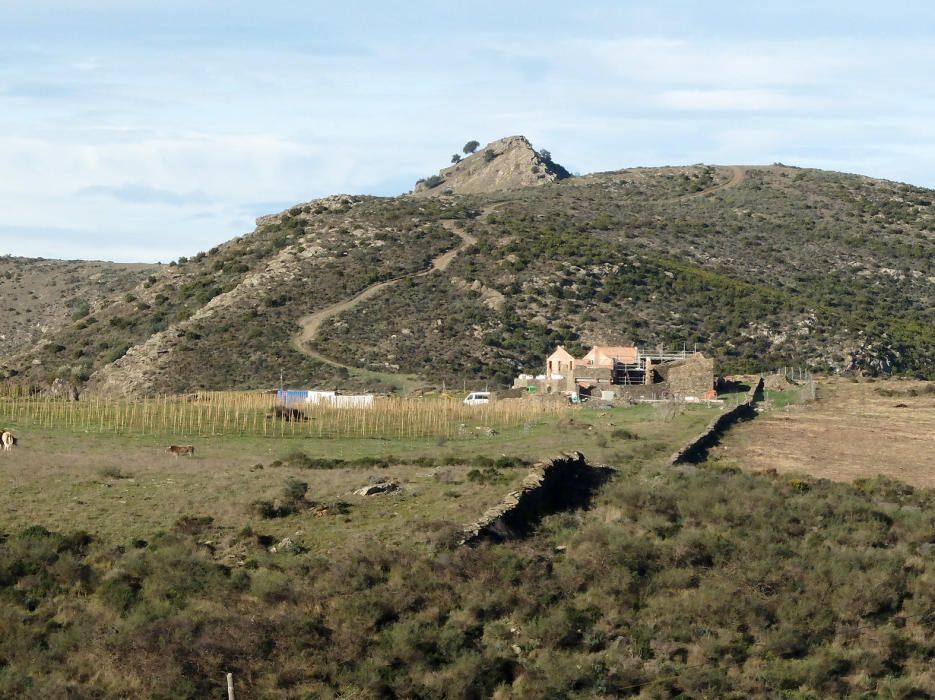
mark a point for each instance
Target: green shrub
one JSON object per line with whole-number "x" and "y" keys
{"x": 624, "y": 434}
{"x": 121, "y": 592}
{"x": 294, "y": 491}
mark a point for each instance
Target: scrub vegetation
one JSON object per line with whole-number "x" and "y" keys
{"x": 760, "y": 267}
{"x": 675, "y": 582}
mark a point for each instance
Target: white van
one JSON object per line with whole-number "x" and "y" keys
{"x": 477, "y": 398}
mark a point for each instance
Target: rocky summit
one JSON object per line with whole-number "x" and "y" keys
{"x": 506, "y": 164}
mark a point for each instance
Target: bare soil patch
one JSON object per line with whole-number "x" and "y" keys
{"x": 855, "y": 430}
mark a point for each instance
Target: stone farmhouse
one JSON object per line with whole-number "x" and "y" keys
{"x": 625, "y": 372}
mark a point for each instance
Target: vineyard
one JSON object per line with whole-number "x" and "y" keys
{"x": 259, "y": 414}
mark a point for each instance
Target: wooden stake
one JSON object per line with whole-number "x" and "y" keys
{"x": 230, "y": 686}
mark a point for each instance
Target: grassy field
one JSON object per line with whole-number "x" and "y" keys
{"x": 675, "y": 582}
{"x": 121, "y": 486}
{"x": 854, "y": 430}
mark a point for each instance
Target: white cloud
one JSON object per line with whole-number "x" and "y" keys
{"x": 747, "y": 100}
{"x": 183, "y": 136}
{"x": 223, "y": 165}
{"x": 716, "y": 63}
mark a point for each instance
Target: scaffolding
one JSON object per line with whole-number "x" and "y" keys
{"x": 640, "y": 371}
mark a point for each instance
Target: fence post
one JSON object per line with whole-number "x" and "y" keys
{"x": 230, "y": 686}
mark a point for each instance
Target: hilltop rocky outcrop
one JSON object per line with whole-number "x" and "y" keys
{"x": 506, "y": 164}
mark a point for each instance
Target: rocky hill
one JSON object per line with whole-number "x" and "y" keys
{"x": 761, "y": 266}
{"x": 507, "y": 164}
{"x": 41, "y": 296}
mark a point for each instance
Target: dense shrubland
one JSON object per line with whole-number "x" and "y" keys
{"x": 676, "y": 583}
{"x": 786, "y": 267}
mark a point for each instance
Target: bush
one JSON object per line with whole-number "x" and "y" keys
{"x": 193, "y": 524}
{"x": 624, "y": 434}
{"x": 121, "y": 592}
{"x": 294, "y": 491}
{"x": 271, "y": 509}
{"x": 471, "y": 146}
{"x": 113, "y": 473}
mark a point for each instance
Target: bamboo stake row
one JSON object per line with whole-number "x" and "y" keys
{"x": 252, "y": 413}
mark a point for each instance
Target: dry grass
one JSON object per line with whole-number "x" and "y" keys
{"x": 120, "y": 486}
{"x": 855, "y": 430}
{"x": 251, "y": 413}
{"x": 153, "y": 490}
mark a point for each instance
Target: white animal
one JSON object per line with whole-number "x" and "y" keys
{"x": 7, "y": 440}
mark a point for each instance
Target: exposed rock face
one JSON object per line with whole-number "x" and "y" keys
{"x": 514, "y": 164}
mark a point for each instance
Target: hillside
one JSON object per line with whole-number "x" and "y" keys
{"x": 759, "y": 266}
{"x": 41, "y": 296}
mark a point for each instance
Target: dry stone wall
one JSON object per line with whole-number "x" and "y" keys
{"x": 560, "y": 482}
{"x": 695, "y": 450}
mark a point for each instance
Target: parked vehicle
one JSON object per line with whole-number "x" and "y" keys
{"x": 477, "y": 398}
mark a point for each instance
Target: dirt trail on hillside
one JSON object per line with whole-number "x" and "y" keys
{"x": 737, "y": 175}
{"x": 304, "y": 340}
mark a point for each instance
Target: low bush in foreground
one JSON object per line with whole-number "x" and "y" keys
{"x": 677, "y": 583}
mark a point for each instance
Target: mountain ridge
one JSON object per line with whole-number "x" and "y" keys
{"x": 758, "y": 265}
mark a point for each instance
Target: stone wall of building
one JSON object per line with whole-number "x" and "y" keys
{"x": 693, "y": 376}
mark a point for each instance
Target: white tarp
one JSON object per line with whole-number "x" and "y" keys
{"x": 315, "y": 397}
{"x": 359, "y": 401}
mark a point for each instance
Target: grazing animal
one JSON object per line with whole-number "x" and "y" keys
{"x": 284, "y": 413}
{"x": 7, "y": 440}
{"x": 179, "y": 450}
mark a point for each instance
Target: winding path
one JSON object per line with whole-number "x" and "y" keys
{"x": 304, "y": 340}
{"x": 737, "y": 175}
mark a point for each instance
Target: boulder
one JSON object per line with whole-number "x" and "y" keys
{"x": 374, "y": 489}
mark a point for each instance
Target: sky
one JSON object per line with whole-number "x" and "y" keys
{"x": 145, "y": 130}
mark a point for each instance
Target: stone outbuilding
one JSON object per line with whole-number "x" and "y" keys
{"x": 691, "y": 378}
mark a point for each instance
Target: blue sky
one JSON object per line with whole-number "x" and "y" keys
{"x": 144, "y": 130}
